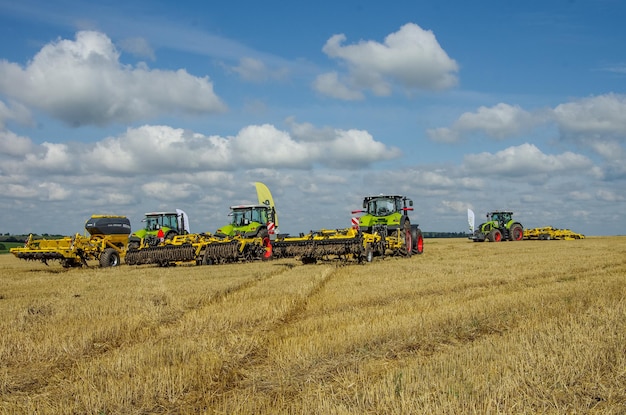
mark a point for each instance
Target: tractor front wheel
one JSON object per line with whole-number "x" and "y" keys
{"x": 495, "y": 235}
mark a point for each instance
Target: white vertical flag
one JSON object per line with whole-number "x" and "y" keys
{"x": 470, "y": 219}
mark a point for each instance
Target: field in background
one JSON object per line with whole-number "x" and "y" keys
{"x": 513, "y": 327}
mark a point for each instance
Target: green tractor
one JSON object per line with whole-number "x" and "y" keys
{"x": 386, "y": 214}
{"x": 500, "y": 226}
{"x": 249, "y": 221}
{"x": 159, "y": 227}
{"x": 253, "y": 221}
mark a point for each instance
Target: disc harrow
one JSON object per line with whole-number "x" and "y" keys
{"x": 203, "y": 249}
{"x": 161, "y": 255}
{"x": 322, "y": 245}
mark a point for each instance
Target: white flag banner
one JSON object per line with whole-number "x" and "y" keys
{"x": 470, "y": 219}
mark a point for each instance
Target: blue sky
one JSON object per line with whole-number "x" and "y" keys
{"x": 130, "y": 107}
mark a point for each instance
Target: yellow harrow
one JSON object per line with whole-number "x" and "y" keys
{"x": 342, "y": 244}
{"x": 203, "y": 249}
{"x": 106, "y": 243}
{"x": 548, "y": 232}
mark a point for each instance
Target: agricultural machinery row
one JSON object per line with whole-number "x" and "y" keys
{"x": 500, "y": 226}
{"x": 383, "y": 229}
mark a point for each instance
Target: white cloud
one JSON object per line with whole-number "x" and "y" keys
{"x": 52, "y": 157}
{"x": 524, "y": 161}
{"x": 54, "y": 191}
{"x": 13, "y": 145}
{"x": 330, "y": 85}
{"x": 82, "y": 82}
{"x": 166, "y": 191}
{"x": 162, "y": 149}
{"x": 601, "y": 115}
{"x": 500, "y": 121}
{"x": 455, "y": 206}
{"x": 410, "y": 58}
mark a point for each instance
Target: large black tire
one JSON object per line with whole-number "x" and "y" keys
{"x": 418, "y": 241}
{"x": 109, "y": 258}
{"x": 408, "y": 237}
{"x": 516, "y": 232}
{"x": 495, "y": 235}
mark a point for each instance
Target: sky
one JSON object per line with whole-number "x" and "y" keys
{"x": 129, "y": 107}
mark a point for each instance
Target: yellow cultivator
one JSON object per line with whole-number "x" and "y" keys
{"x": 106, "y": 243}
{"x": 203, "y": 249}
{"x": 343, "y": 244}
{"x": 548, "y": 232}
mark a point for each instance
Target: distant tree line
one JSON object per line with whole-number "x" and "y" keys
{"x": 22, "y": 238}
{"x": 445, "y": 234}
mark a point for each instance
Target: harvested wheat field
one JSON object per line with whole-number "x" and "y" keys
{"x": 512, "y": 327}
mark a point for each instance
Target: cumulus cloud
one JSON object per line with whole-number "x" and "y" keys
{"x": 329, "y": 84}
{"x": 12, "y": 144}
{"x": 410, "y": 58}
{"x": 137, "y": 46}
{"x": 162, "y": 149}
{"x": 500, "y": 121}
{"x": 82, "y": 82}
{"x": 589, "y": 117}
{"x": 525, "y": 160}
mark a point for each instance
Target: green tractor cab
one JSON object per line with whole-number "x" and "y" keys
{"x": 253, "y": 221}
{"x": 159, "y": 227}
{"x": 249, "y": 221}
{"x": 499, "y": 226}
{"x": 386, "y": 214}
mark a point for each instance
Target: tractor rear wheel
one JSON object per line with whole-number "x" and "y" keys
{"x": 418, "y": 241}
{"x": 516, "y": 232}
{"x": 495, "y": 235}
{"x": 408, "y": 238}
{"x": 109, "y": 258}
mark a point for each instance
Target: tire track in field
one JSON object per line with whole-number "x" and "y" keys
{"x": 42, "y": 375}
{"x": 233, "y": 374}
{"x": 249, "y": 376}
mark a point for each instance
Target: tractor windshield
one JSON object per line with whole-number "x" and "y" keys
{"x": 170, "y": 221}
{"x": 152, "y": 223}
{"x": 155, "y": 222}
{"x": 242, "y": 217}
{"x": 383, "y": 206}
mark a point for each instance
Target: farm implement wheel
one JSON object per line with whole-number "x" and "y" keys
{"x": 109, "y": 258}
{"x": 408, "y": 242}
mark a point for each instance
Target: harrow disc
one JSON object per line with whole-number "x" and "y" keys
{"x": 162, "y": 255}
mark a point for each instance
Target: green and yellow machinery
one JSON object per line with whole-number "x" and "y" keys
{"x": 547, "y": 233}
{"x": 384, "y": 229}
{"x": 107, "y": 243}
{"x": 159, "y": 227}
{"x": 250, "y": 221}
{"x": 247, "y": 237}
{"x": 387, "y": 216}
{"x": 386, "y": 234}
{"x": 499, "y": 226}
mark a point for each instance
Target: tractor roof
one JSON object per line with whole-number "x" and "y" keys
{"x": 249, "y": 207}
{"x": 160, "y": 213}
{"x": 385, "y": 196}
